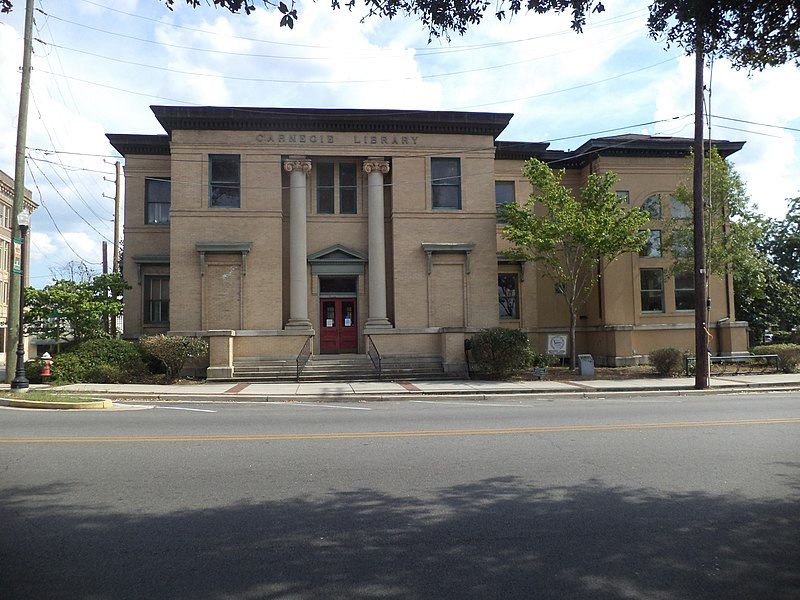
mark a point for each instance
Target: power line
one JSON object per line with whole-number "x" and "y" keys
{"x": 67, "y": 202}
{"x": 597, "y": 24}
{"x": 784, "y": 127}
{"x": 327, "y": 82}
{"x": 47, "y": 210}
{"x": 67, "y": 173}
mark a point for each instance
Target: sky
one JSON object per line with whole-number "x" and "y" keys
{"x": 99, "y": 65}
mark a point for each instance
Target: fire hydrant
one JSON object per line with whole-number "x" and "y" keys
{"x": 46, "y": 372}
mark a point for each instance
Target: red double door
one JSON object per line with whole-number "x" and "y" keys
{"x": 339, "y": 326}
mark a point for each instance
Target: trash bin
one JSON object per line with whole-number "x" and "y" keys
{"x": 586, "y": 365}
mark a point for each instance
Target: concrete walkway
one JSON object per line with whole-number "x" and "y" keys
{"x": 384, "y": 390}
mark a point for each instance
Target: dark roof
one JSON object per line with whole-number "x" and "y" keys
{"x": 131, "y": 143}
{"x": 329, "y": 119}
{"x": 629, "y": 144}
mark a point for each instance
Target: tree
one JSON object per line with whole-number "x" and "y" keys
{"x": 69, "y": 310}
{"x": 778, "y": 305}
{"x": 733, "y": 228}
{"x": 574, "y": 238}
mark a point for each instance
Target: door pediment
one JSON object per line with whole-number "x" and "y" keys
{"x": 337, "y": 260}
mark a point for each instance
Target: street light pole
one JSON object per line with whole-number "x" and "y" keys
{"x": 20, "y": 383}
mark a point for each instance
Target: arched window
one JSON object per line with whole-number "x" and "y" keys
{"x": 652, "y": 204}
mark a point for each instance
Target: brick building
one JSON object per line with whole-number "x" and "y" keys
{"x": 350, "y": 231}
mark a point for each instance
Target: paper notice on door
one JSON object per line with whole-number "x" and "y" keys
{"x": 328, "y": 322}
{"x": 347, "y": 322}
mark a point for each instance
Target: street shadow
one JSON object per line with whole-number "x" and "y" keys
{"x": 495, "y": 538}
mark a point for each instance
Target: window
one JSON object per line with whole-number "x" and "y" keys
{"x": 5, "y": 216}
{"x": 446, "y": 183}
{"x": 684, "y": 291}
{"x": 5, "y": 255}
{"x": 624, "y": 196}
{"x": 4, "y": 292}
{"x": 507, "y": 295}
{"x": 652, "y": 204}
{"x": 503, "y": 194}
{"x": 156, "y": 201}
{"x": 337, "y": 181}
{"x": 652, "y": 290}
{"x": 652, "y": 247}
{"x": 341, "y": 286}
{"x": 156, "y": 299}
{"x": 223, "y": 180}
{"x": 679, "y": 210}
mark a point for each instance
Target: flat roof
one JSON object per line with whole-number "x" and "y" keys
{"x": 329, "y": 119}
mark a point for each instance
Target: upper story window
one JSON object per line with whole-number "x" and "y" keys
{"x": 337, "y": 185}
{"x": 5, "y": 257}
{"x": 652, "y": 286}
{"x": 5, "y": 216}
{"x": 503, "y": 194}
{"x": 224, "y": 180}
{"x": 652, "y": 204}
{"x": 679, "y": 210}
{"x": 446, "y": 183}
{"x": 156, "y": 201}
{"x": 652, "y": 247}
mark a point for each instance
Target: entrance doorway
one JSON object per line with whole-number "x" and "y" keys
{"x": 338, "y": 326}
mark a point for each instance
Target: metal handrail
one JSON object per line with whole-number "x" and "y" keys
{"x": 374, "y": 356}
{"x": 304, "y": 356}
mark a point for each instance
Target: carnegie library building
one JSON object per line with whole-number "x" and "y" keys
{"x": 283, "y": 233}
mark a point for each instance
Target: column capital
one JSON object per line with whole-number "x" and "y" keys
{"x": 297, "y": 163}
{"x": 377, "y": 165}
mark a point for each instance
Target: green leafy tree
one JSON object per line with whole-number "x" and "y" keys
{"x": 734, "y": 229}
{"x": 74, "y": 310}
{"x": 778, "y": 306}
{"x": 572, "y": 238}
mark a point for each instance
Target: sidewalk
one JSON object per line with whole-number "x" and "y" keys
{"x": 406, "y": 390}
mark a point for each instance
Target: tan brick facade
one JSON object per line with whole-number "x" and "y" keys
{"x": 251, "y": 276}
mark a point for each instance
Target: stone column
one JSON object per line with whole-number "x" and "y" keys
{"x": 298, "y": 169}
{"x": 376, "y": 168}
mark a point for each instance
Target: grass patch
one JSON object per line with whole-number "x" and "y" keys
{"x": 38, "y": 396}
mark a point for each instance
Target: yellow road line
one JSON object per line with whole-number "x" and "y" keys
{"x": 277, "y": 437}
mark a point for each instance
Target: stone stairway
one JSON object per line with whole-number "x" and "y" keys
{"x": 338, "y": 367}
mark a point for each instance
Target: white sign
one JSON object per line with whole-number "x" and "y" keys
{"x": 346, "y": 322}
{"x": 557, "y": 344}
{"x": 328, "y": 322}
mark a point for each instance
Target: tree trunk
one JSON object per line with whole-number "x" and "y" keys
{"x": 573, "y": 351}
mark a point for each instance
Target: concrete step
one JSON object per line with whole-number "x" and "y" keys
{"x": 338, "y": 367}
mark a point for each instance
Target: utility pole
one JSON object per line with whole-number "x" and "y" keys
{"x": 117, "y": 195}
{"x": 115, "y": 256}
{"x": 701, "y": 370}
{"x": 106, "y": 316}
{"x": 15, "y": 280}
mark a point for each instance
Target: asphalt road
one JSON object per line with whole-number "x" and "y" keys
{"x": 637, "y": 498}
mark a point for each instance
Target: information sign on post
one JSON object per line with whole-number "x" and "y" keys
{"x": 16, "y": 266}
{"x": 557, "y": 344}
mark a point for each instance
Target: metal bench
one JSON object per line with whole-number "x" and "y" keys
{"x": 738, "y": 365}
{"x": 539, "y": 372}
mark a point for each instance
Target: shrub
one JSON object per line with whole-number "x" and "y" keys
{"x": 788, "y": 355}
{"x": 100, "y": 361}
{"x": 173, "y": 351}
{"x": 33, "y": 370}
{"x": 500, "y": 352}
{"x": 668, "y": 362}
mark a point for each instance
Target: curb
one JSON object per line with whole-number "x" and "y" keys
{"x": 440, "y": 396}
{"x": 94, "y": 404}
